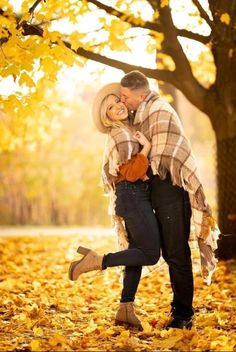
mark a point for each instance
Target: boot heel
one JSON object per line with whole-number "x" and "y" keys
{"x": 71, "y": 270}
{"x": 83, "y": 250}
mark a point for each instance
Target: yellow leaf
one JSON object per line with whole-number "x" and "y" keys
{"x": 110, "y": 331}
{"x": 225, "y": 18}
{"x": 164, "y": 3}
{"x": 146, "y": 327}
{"x": 117, "y": 44}
{"x": 57, "y": 51}
{"x": 124, "y": 336}
{"x": 40, "y": 50}
{"x": 25, "y": 17}
{"x": 221, "y": 343}
{"x": 138, "y": 21}
{"x": 171, "y": 341}
{"x": 10, "y": 70}
{"x": 56, "y": 340}
{"x": 38, "y": 331}
{"x": 40, "y": 17}
{"x": 54, "y": 36}
{"x": 156, "y": 15}
{"x": 118, "y": 27}
{"x": 48, "y": 65}
{"x": 35, "y": 345}
{"x": 91, "y": 327}
{"x": 5, "y": 22}
{"x": 63, "y": 54}
{"x": 25, "y": 79}
{"x": 164, "y": 333}
{"x": 10, "y": 48}
{"x": 75, "y": 40}
{"x": 69, "y": 57}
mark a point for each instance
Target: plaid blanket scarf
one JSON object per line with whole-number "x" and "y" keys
{"x": 171, "y": 152}
{"x": 120, "y": 147}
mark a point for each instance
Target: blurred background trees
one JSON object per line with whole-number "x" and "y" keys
{"x": 52, "y": 177}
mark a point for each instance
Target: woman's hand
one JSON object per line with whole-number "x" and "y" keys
{"x": 144, "y": 142}
{"x": 141, "y": 139}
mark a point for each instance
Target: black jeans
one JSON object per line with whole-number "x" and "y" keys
{"x": 173, "y": 213}
{"x": 134, "y": 205}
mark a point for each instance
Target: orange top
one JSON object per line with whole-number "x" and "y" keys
{"x": 134, "y": 169}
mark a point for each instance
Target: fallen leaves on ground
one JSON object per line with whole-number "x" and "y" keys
{"x": 41, "y": 310}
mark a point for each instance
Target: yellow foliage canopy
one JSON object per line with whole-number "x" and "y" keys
{"x": 29, "y": 59}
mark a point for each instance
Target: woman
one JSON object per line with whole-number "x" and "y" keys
{"x": 124, "y": 174}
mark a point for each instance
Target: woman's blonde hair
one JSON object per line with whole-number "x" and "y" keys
{"x": 107, "y": 122}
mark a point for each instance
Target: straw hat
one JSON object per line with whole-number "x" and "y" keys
{"x": 111, "y": 88}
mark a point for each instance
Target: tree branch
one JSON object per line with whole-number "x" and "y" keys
{"x": 132, "y": 20}
{"x": 153, "y": 26}
{"x": 33, "y": 7}
{"x": 171, "y": 45}
{"x": 157, "y": 27}
{"x": 162, "y": 75}
{"x": 31, "y": 29}
{"x": 203, "y": 13}
{"x": 194, "y": 36}
{"x": 185, "y": 80}
{"x": 181, "y": 78}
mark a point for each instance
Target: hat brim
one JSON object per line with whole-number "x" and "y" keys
{"x": 111, "y": 88}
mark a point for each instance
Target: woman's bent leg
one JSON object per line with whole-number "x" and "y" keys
{"x": 133, "y": 204}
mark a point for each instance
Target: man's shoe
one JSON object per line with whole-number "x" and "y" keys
{"x": 180, "y": 323}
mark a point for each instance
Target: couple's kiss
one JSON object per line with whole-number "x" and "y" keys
{"x": 151, "y": 176}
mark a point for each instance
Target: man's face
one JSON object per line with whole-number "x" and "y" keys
{"x": 131, "y": 98}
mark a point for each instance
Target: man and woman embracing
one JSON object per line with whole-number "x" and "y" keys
{"x": 151, "y": 175}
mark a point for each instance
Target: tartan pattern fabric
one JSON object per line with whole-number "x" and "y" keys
{"x": 120, "y": 147}
{"x": 171, "y": 152}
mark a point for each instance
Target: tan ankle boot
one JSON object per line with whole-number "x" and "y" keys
{"x": 126, "y": 315}
{"x": 91, "y": 261}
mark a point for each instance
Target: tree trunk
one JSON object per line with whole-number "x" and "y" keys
{"x": 226, "y": 156}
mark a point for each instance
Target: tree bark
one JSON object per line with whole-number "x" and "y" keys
{"x": 226, "y": 151}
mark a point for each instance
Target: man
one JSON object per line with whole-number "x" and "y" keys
{"x": 176, "y": 192}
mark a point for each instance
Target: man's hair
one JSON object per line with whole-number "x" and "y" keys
{"x": 135, "y": 80}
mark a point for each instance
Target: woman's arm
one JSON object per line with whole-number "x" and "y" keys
{"x": 134, "y": 169}
{"x": 137, "y": 166}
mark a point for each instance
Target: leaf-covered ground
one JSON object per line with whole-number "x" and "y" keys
{"x": 42, "y": 310}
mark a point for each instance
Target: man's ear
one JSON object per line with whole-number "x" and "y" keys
{"x": 142, "y": 97}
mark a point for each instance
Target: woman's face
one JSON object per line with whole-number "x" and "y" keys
{"x": 116, "y": 110}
